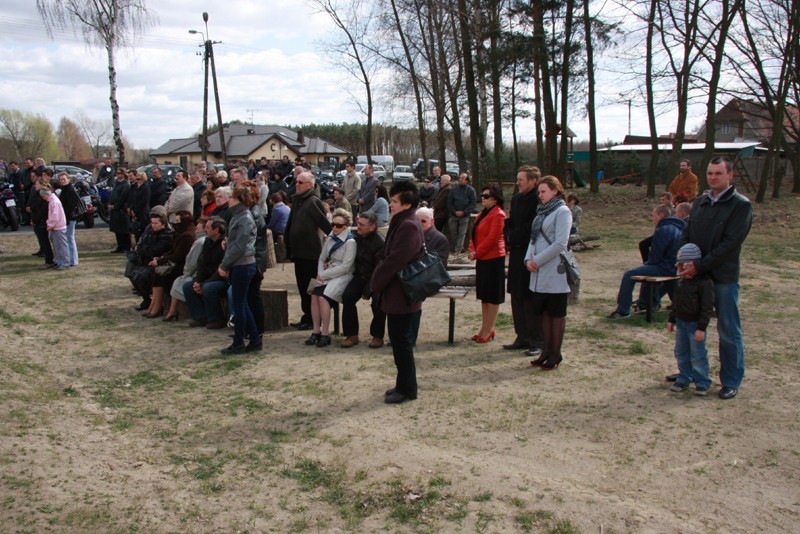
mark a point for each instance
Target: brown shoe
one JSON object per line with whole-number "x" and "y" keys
{"x": 216, "y": 325}
{"x": 376, "y": 343}
{"x": 351, "y": 341}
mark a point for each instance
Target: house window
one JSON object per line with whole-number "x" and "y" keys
{"x": 726, "y": 129}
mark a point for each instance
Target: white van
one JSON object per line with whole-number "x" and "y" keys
{"x": 386, "y": 161}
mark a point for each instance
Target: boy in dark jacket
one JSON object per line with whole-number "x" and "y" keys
{"x": 689, "y": 317}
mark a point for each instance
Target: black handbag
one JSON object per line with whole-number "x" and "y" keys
{"x": 423, "y": 277}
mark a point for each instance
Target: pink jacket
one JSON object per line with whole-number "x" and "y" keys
{"x": 56, "y": 219}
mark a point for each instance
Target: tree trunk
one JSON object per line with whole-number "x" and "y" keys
{"x": 414, "y": 84}
{"x": 590, "y": 107}
{"x": 112, "y": 82}
{"x": 651, "y": 107}
{"x": 565, "y": 77}
{"x": 541, "y": 61}
{"x": 476, "y": 138}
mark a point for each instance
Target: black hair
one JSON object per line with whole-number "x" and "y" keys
{"x": 496, "y": 192}
{"x": 409, "y": 194}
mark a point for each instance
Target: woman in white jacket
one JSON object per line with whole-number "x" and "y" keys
{"x": 549, "y": 238}
{"x": 334, "y": 271}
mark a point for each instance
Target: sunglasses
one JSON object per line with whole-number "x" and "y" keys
{"x": 486, "y": 196}
{"x": 339, "y": 225}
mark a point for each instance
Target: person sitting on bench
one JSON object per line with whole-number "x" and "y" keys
{"x": 660, "y": 261}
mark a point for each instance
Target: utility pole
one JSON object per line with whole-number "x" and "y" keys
{"x": 208, "y": 57}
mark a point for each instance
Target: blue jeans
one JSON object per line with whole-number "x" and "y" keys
{"x": 625, "y": 295}
{"x": 729, "y": 327}
{"x": 60, "y": 248}
{"x": 73, "y": 247}
{"x": 240, "y": 277}
{"x": 206, "y": 307}
{"x": 692, "y": 356}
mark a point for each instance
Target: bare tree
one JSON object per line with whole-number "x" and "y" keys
{"x": 71, "y": 141}
{"x": 111, "y": 24}
{"x": 30, "y": 134}
{"x": 352, "y": 50}
{"x": 98, "y": 133}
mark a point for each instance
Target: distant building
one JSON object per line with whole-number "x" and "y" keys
{"x": 246, "y": 141}
{"x": 741, "y": 121}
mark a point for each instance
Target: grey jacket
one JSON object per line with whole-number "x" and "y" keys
{"x": 461, "y": 198}
{"x": 551, "y": 277}
{"x": 241, "y": 245}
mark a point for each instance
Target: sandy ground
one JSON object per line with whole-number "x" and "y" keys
{"x": 111, "y": 422}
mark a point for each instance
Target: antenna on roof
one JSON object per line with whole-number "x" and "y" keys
{"x": 250, "y": 112}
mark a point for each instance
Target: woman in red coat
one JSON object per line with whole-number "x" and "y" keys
{"x": 488, "y": 248}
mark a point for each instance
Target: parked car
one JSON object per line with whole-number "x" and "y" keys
{"x": 167, "y": 171}
{"x": 71, "y": 170}
{"x": 402, "y": 172}
{"x": 378, "y": 171}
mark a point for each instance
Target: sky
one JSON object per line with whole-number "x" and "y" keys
{"x": 270, "y": 69}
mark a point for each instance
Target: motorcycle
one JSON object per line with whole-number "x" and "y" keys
{"x": 88, "y": 193}
{"x": 9, "y": 211}
{"x": 103, "y": 195}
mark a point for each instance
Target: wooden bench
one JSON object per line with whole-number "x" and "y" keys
{"x": 652, "y": 282}
{"x": 452, "y": 293}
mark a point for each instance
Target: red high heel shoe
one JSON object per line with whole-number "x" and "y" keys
{"x": 479, "y": 339}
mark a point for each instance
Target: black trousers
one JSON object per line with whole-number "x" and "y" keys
{"x": 401, "y": 332}
{"x": 350, "y": 297}
{"x": 304, "y": 271}
{"x": 527, "y": 324}
{"x": 44, "y": 242}
{"x": 254, "y": 301}
{"x": 123, "y": 241}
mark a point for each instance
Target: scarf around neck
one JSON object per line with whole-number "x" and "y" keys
{"x": 542, "y": 211}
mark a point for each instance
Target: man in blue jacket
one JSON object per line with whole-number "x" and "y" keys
{"x": 660, "y": 260}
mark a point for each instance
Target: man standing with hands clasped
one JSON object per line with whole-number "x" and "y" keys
{"x": 719, "y": 223}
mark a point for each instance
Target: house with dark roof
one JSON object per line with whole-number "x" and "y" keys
{"x": 742, "y": 120}
{"x": 247, "y": 141}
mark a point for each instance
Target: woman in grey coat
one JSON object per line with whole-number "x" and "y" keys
{"x": 549, "y": 238}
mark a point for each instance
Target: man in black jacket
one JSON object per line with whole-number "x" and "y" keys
{"x": 158, "y": 189}
{"x": 37, "y": 209}
{"x": 204, "y": 293}
{"x": 303, "y": 241}
{"x": 719, "y": 223}
{"x": 527, "y": 325}
{"x": 369, "y": 245}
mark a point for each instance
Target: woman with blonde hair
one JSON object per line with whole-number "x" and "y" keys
{"x": 334, "y": 271}
{"x": 549, "y": 238}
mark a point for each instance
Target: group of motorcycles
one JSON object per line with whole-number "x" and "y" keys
{"x": 94, "y": 196}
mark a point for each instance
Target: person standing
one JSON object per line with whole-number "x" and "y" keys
{"x": 549, "y": 238}
{"x": 351, "y": 185}
{"x": 37, "y": 208}
{"x": 404, "y": 244}
{"x": 366, "y": 193}
{"x": 120, "y": 222}
{"x": 56, "y": 227}
{"x": 307, "y": 224}
{"x": 70, "y": 200}
{"x": 440, "y": 213}
{"x": 181, "y": 198}
{"x": 239, "y": 267}
{"x": 460, "y": 204}
{"x": 140, "y": 204}
{"x": 527, "y": 324}
{"x": 719, "y": 223}
{"x": 488, "y": 248}
{"x": 158, "y": 190}
{"x": 684, "y": 187}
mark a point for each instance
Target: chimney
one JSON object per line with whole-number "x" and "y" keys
{"x": 300, "y": 138}
{"x": 250, "y": 131}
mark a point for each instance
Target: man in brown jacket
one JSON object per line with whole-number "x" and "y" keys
{"x": 684, "y": 186}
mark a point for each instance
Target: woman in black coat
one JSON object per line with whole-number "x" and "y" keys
{"x": 120, "y": 222}
{"x": 404, "y": 244}
{"x": 140, "y": 204}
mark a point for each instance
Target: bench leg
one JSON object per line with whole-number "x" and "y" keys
{"x": 649, "y": 315}
{"x": 335, "y": 320}
{"x": 452, "y": 325}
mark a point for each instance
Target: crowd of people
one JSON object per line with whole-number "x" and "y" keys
{"x": 206, "y": 242}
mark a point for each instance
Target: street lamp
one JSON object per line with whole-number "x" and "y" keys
{"x": 208, "y": 56}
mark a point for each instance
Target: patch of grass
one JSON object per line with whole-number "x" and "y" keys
{"x": 9, "y": 320}
{"x": 109, "y": 399}
{"x": 148, "y": 378}
{"x": 504, "y": 320}
{"x": 591, "y": 333}
{"x": 70, "y": 391}
{"x": 202, "y": 467}
{"x": 438, "y": 482}
{"x": 249, "y": 405}
{"x": 483, "y": 497}
{"x": 564, "y": 526}
{"x": 218, "y": 368}
{"x": 638, "y": 348}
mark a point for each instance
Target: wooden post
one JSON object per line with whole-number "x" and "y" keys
{"x": 276, "y": 309}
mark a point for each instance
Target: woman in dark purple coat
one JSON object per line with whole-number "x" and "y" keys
{"x": 404, "y": 244}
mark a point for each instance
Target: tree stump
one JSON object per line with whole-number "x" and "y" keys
{"x": 271, "y": 260}
{"x": 276, "y": 309}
